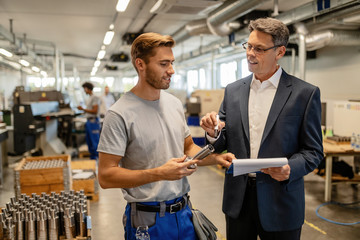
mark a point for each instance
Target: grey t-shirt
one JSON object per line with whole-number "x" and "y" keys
{"x": 93, "y": 100}
{"x": 147, "y": 134}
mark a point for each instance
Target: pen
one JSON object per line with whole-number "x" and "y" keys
{"x": 216, "y": 129}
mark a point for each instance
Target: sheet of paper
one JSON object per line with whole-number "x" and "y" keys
{"x": 83, "y": 175}
{"x": 243, "y": 166}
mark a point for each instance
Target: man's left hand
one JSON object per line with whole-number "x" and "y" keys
{"x": 224, "y": 159}
{"x": 278, "y": 173}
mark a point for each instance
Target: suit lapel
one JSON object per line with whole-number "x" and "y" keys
{"x": 244, "y": 104}
{"x": 282, "y": 94}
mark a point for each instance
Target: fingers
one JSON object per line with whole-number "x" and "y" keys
{"x": 208, "y": 123}
{"x": 225, "y": 159}
{"x": 278, "y": 173}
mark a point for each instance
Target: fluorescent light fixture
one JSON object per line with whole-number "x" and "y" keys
{"x": 43, "y": 73}
{"x": 122, "y": 5}
{"x": 97, "y": 63}
{"x": 101, "y": 54}
{"x": 15, "y": 65}
{"x": 5, "y": 52}
{"x": 156, "y": 6}
{"x": 27, "y": 70}
{"x": 35, "y": 69}
{"x": 108, "y": 37}
{"x": 24, "y": 62}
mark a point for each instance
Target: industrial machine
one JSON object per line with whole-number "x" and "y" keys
{"x": 36, "y": 116}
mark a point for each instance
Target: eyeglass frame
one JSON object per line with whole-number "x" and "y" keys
{"x": 259, "y": 50}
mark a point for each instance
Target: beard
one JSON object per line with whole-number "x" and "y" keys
{"x": 156, "y": 82}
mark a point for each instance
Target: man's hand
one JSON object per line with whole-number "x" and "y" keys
{"x": 278, "y": 173}
{"x": 80, "y": 108}
{"x": 224, "y": 159}
{"x": 176, "y": 168}
{"x": 208, "y": 123}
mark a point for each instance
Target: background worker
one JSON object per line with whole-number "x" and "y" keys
{"x": 269, "y": 114}
{"x": 143, "y": 145}
{"x": 92, "y": 125}
{"x": 106, "y": 101}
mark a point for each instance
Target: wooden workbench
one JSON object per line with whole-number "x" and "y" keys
{"x": 336, "y": 150}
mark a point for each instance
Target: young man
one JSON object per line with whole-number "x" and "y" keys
{"x": 92, "y": 125}
{"x": 145, "y": 132}
{"x": 277, "y": 115}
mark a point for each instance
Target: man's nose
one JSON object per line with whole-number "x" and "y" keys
{"x": 171, "y": 70}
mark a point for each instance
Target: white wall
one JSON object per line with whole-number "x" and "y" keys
{"x": 336, "y": 72}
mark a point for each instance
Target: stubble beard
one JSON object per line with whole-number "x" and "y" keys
{"x": 151, "y": 79}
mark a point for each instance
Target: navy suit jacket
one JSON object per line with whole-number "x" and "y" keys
{"x": 292, "y": 130}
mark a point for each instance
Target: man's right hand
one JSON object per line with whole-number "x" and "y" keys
{"x": 176, "y": 168}
{"x": 208, "y": 123}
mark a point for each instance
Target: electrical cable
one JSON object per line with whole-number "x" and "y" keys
{"x": 339, "y": 204}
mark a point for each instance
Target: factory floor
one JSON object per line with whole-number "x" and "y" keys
{"x": 206, "y": 195}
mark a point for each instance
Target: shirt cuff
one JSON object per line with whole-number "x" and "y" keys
{"x": 211, "y": 139}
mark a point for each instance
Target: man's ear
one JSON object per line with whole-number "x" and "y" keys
{"x": 280, "y": 52}
{"x": 139, "y": 63}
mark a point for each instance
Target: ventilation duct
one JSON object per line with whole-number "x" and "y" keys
{"x": 332, "y": 38}
{"x": 182, "y": 6}
{"x": 220, "y": 21}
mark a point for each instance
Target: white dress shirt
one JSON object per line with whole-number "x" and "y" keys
{"x": 260, "y": 100}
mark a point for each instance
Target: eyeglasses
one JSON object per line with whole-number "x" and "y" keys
{"x": 257, "y": 50}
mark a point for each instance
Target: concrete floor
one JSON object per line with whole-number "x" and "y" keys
{"x": 206, "y": 195}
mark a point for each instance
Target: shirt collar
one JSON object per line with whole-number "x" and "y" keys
{"x": 274, "y": 79}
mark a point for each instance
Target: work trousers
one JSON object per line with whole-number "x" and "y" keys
{"x": 170, "y": 226}
{"x": 92, "y": 135}
{"x": 247, "y": 226}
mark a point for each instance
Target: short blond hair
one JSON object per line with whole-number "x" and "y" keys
{"x": 143, "y": 45}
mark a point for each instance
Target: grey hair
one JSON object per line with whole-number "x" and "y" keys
{"x": 277, "y": 29}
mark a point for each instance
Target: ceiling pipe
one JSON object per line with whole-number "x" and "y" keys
{"x": 220, "y": 22}
{"x": 20, "y": 45}
{"x": 332, "y": 38}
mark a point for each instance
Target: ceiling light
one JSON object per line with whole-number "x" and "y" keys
{"x": 122, "y": 5}
{"x": 15, "y": 65}
{"x": 101, "y": 54}
{"x": 43, "y": 73}
{"x": 111, "y": 27}
{"x": 24, "y": 62}
{"x": 35, "y": 69}
{"x": 97, "y": 63}
{"x": 108, "y": 37}
{"x": 5, "y": 52}
{"x": 27, "y": 70}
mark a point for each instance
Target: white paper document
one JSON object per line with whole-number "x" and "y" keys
{"x": 243, "y": 166}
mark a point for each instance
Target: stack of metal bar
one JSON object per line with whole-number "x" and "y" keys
{"x": 45, "y": 217}
{"x": 44, "y": 164}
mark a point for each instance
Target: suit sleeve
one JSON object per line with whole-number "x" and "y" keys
{"x": 310, "y": 148}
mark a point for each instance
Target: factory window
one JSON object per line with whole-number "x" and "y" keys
{"x": 37, "y": 82}
{"x": 202, "y": 78}
{"x": 244, "y": 68}
{"x": 129, "y": 82}
{"x": 176, "y": 82}
{"x": 192, "y": 80}
{"x": 227, "y": 73}
{"x": 109, "y": 81}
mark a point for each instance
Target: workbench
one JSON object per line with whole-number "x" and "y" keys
{"x": 336, "y": 150}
